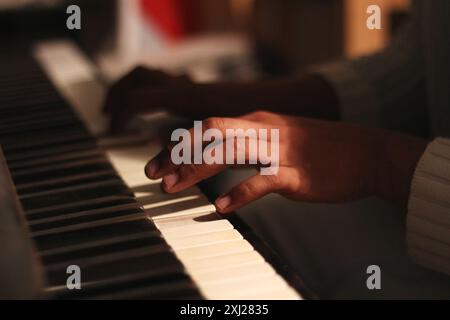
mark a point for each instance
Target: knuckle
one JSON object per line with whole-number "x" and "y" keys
{"x": 262, "y": 114}
{"x": 214, "y": 123}
{"x": 188, "y": 171}
{"x": 274, "y": 181}
{"x": 245, "y": 190}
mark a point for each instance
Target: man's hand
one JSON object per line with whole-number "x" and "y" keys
{"x": 144, "y": 90}
{"x": 319, "y": 161}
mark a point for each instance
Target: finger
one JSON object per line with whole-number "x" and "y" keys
{"x": 248, "y": 191}
{"x": 242, "y": 153}
{"x": 188, "y": 175}
{"x": 160, "y": 166}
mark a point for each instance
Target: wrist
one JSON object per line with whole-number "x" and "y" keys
{"x": 397, "y": 159}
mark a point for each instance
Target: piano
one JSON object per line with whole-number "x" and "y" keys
{"x": 72, "y": 197}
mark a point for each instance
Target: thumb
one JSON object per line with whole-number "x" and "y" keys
{"x": 247, "y": 191}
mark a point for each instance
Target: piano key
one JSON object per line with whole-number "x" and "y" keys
{"x": 35, "y": 187}
{"x": 81, "y": 247}
{"x": 213, "y": 250}
{"x": 76, "y": 219}
{"x": 268, "y": 294}
{"x": 74, "y": 187}
{"x": 192, "y": 241}
{"x": 177, "y": 208}
{"x": 179, "y": 291}
{"x": 33, "y": 116}
{"x": 79, "y": 147}
{"x": 114, "y": 188}
{"x": 58, "y": 216}
{"x": 39, "y": 141}
{"x": 88, "y": 225}
{"x": 230, "y": 274}
{"x": 95, "y": 233}
{"x": 79, "y": 206}
{"x": 52, "y": 148}
{"x": 75, "y": 256}
{"x": 55, "y": 159}
{"x": 110, "y": 258}
{"x": 153, "y": 281}
{"x": 271, "y": 287}
{"x": 76, "y": 81}
{"x": 27, "y": 124}
{"x": 108, "y": 270}
{"x": 47, "y": 125}
{"x": 224, "y": 261}
{"x": 201, "y": 228}
{"x": 190, "y": 220}
{"x": 241, "y": 286}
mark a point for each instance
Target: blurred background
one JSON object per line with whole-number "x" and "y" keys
{"x": 209, "y": 39}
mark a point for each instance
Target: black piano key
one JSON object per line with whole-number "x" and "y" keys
{"x": 30, "y": 124}
{"x": 49, "y": 152}
{"x": 183, "y": 290}
{"x": 82, "y": 218}
{"x": 55, "y": 159}
{"x": 93, "y": 234}
{"x": 108, "y": 270}
{"x": 80, "y": 206}
{"x": 49, "y": 168}
{"x": 27, "y": 116}
{"x": 33, "y": 109}
{"x": 68, "y": 197}
{"x": 77, "y": 256}
{"x": 58, "y": 172}
{"x": 153, "y": 282}
{"x": 60, "y": 124}
{"x": 64, "y": 183}
{"x": 73, "y": 188}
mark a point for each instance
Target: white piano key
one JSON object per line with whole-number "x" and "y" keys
{"x": 203, "y": 239}
{"x": 232, "y": 274}
{"x": 138, "y": 179}
{"x": 76, "y": 78}
{"x": 179, "y": 209}
{"x": 220, "y": 262}
{"x": 243, "y": 287}
{"x": 201, "y": 228}
{"x": 193, "y": 219}
{"x": 213, "y": 250}
{"x": 279, "y": 294}
{"x": 136, "y": 157}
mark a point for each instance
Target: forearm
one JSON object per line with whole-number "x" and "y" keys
{"x": 308, "y": 96}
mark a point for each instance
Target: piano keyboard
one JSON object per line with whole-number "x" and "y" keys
{"x": 96, "y": 209}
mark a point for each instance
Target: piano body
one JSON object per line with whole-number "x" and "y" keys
{"x": 72, "y": 197}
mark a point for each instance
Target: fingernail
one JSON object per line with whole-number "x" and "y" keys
{"x": 170, "y": 180}
{"x": 223, "y": 202}
{"x": 153, "y": 167}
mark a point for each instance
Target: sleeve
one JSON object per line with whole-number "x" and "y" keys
{"x": 386, "y": 89}
{"x": 428, "y": 221}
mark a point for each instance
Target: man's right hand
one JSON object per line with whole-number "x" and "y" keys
{"x": 144, "y": 90}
